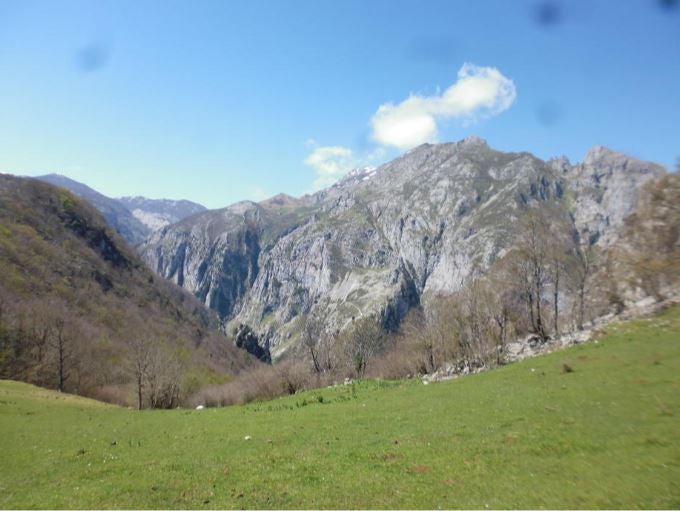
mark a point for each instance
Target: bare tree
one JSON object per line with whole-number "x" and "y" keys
{"x": 140, "y": 360}
{"x": 520, "y": 270}
{"x": 498, "y": 301}
{"x": 294, "y": 375}
{"x": 320, "y": 344}
{"x": 477, "y": 317}
{"x": 559, "y": 246}
{"x": 583, "y": 262}
{"x": 649, "y": 253}
{"x": 556, "y": 266}
{"x": 428, "y": 335}
{"x": 158, "y": 368}
{"x": 535, "y": 249}
{"x": 61, "y": 342}
{"x": 164, "y": 375}
{"x": 365, "y": 339}
{"x": 530, "y": 267}
{"x": 311, "y": 338}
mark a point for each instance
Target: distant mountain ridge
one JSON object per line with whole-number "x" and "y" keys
{"x": 117, "y": 215}
{"x": 133, "y": 217}
{"x": 157, "y": 213}
{"x": 382, "y": 240}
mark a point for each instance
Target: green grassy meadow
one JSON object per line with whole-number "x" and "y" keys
{"x": 529, "y": 435}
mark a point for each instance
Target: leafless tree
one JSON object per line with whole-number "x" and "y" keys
{"x": 425, "y": 332}
{"x": 477, "y": 317}
{"x": 294, "y": 375}
{"x": 164, "y": 375}
{"x": 311, "y": 338}
{"x": 649, "y": 251}
{"x": 140, "y": 360}
{"x": 583, "y": 264}
{"x": 560, "y": 243}
{"x": 365, "y": 339}
{"x": 534, "y": 248}
{"x": 319, "y": 343}
{"x": 531, "y": 267}
{"x": 61, "y": 341}
{"x": 157, "y": 367}
{"x": 498, "y": 298}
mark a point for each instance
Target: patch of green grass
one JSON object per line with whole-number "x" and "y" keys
{"x": 605, "y": 434}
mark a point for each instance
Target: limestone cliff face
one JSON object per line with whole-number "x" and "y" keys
{"x": 381, "y": 240}
{"x": 605, "y": 187}
{"x": 214, "y": 256}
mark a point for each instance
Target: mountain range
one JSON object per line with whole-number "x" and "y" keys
{"x": 133, "y": 217}
{"x": 383, "y": 240}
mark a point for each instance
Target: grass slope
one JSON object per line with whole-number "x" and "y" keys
{"x": 530, "y": 435}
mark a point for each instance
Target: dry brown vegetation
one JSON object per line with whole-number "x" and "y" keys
{"x": 648, "y": 258}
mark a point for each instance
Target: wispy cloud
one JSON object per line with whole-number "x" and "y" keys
{"x": 479, "y": 92}
{"x": 259, "y": 194}
{"x": 330, "y": 163}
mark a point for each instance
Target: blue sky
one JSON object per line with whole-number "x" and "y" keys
{"x": 222, "y": 101}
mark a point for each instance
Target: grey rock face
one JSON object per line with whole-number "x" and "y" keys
{"x": 605, "y": 185}
{"x": 157, "y": 213}
{"x": 382, "y": 240}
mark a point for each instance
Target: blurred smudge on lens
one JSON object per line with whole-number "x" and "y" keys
{"x": 548, "y": 14}
{"x": 92, "y": 57}
{"x": 668, "y": 4}
{"x": 549, "y": 113}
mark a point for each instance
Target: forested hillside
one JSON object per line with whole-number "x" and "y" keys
{"x": 80, "y": 312}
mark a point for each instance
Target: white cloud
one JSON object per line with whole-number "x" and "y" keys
{"x": 330, "y": 163}
{"x": 376, "y": 156}
{"x": 479, "y": 92}
{"x": 259, "y": 194}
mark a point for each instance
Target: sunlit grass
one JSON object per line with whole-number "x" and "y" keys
{"x": 604, "y": 435}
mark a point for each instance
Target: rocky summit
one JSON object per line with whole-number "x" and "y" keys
{"x": 382, "y": 240}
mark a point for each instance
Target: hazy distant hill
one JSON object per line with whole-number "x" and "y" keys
{"x": 133, "y": 217}
{"x": 116, "y": 214}
{"x": 157, "y": 213}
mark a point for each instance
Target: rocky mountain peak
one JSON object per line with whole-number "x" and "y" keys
{"x": 472, "y": 142}
{"x": 279, "y": 200}
{"x": 560, "y": 164}
{"x": 240, "y": 208}
{"x": 603, "y": 156}
{"x": 355, "y": 176}
{"x": 383, "y": 240}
